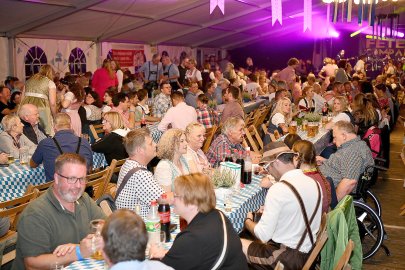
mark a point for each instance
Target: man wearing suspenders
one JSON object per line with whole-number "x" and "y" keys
{"x": 150, "y": 72}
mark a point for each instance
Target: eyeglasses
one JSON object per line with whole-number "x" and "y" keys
{"x": 73, "y": 180}
{"x": 267, "y": 166}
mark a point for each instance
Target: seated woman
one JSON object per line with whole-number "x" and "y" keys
{"x": 307, "y": 102}
{"x": 92, "y": 106}
{"x": 364, "y": 114}
{"x": 200, "y": 245}
{"x": 340, "y": 112}
{"x": 111, "y": 144}
{"x": 108, "y": 95}
{"x": 195, "y": 136}
{"x": 280, "y": 118}
{"x": 306, "y": 161}
{"x": 142, "y": 109}
{"x": 170, "y": 149}
{"x": 12, "y": 139}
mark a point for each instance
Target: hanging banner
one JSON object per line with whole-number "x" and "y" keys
{"x": 219, "y": 3}
{"x": 327, "y": 18}
{"x": 128, "y": 58}
{"x": 386, "y": 49}
{"x": 307, "y": 15}
{"x": 349, "y": 10}
{"x": 336, "y": 10}
{"x": 276, "y": 12}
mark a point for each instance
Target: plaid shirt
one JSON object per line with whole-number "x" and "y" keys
{"x": 206, "y": 117}
{"x": 217, "y": 152}
{"x": 161, "y": 104}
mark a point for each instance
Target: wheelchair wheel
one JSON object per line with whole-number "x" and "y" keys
{"x": 373, "y": 202}
{"x": 370, "y": 229}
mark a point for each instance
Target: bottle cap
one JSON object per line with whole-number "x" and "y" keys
{"x": 153, "y": 203}
{"x": 164, "y": 196}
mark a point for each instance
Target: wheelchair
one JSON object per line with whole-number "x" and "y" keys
{"x": 368, "y": 213}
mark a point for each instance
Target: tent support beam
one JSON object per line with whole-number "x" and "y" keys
{"x": 212, "y": 23}
{"x": 52, "y": 17}
{"x": 170, "y": 13}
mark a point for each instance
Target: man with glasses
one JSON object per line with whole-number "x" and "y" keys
{"x": 289, "y": 203}
{"x": 64, "y": 141}
{"x": 55, "y": 227}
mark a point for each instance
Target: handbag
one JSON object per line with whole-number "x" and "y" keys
{"x": 221, "y": 259}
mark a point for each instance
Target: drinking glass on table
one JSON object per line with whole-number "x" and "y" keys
{"x": 96, "y": 227}
{"x": 24, "y": 155}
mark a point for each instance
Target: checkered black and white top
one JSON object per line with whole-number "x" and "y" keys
{"x": 140, "y": 189}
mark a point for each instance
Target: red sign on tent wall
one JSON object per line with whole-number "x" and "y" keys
{"x": 128, "y": 58}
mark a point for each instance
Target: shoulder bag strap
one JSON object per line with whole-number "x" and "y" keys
{"x": 149, "y": 71}
{"x": 125, "y": 180}
{"x": 304, "y": 213}
{"x": 221, "y": 259}
{"x": 78, "y": 145}
{"x": 57, "y": 145}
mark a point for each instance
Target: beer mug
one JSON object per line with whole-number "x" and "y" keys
{"x": 24, "y": 155}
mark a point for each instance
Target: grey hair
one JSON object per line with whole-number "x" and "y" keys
{"x": 230, "y": 124}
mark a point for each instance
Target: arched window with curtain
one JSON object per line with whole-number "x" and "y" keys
{"x": 77, "y": 61}
{"x": 34, "y": 59}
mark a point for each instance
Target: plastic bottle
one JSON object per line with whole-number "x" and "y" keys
{"x": 143, "y": 120}
{"x": 247, "y": 172}
{"x": 240, "y": 161}
{"x": 228, "y": 156}
{"x": 325, "y": 109}
{"x": 164, "y": 214}
{"x": 152, "y": 223}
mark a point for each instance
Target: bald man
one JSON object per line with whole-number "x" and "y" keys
{"x": 29, "y": 116}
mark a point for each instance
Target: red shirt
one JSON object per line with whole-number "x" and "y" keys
{"x": 102, "y": 80}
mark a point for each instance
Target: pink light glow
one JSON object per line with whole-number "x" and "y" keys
{"x": 333, "y": 33}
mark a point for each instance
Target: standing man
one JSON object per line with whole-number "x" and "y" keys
{"x": 125, "y": 238}
{"x": 64, "y": 141}
{"x": 182, "y": 71}
{"x": 285, "y": 203}
{"x": 55, "y": 227}
{"x": 150, "y": 73}
{"x": 170, "y": 73}
{"x": 249, "y": 66}
{"x": 360, "y": 65}
{"x": 29, "y": 116}
{"x": 162, "y": 102}
{"x": 288, "y": 73}
{"x": 178, "y": 116}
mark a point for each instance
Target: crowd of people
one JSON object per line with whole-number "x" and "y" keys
{"x": 49, "y": 118}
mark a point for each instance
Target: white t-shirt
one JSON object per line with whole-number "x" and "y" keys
{"x": 252, "y": 87}
{"x": 341, "y": 117}
{"x": 277, "y": 119}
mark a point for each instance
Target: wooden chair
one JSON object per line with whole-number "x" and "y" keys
{"x": 250, "y": 117}
{"x": 253, "y": 139}
{"x": 41, "y": 188}
{"x": 343, "y": 262}
{"x": 273, "y": 137}
{"x": 209, "y": 136}
{"x": 99, "y": 182}
{"x": 261, "y": 116}
{"x": 12, "y": 210}
{"x": 96, "y": 130}
{"x": 115, "y": 168}
{"x": 321, "y": 238}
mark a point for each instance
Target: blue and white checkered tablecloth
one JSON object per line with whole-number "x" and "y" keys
{"x": 15, "y": 178}
{"x": 248, "y": 199}
{"x": 87, "y": 264}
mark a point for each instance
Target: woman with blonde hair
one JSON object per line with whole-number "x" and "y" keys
{"x": 195, "y": 136}
{"x": 364, "y": 114}
{"x": 200, "y": 244}
{"x": 340, "y": 112}
{"x": 111, "y": 145}
{"x": 328, "y": 70}
{"x": 281, "y": 116}
{"x": 40, "y": 90}
{"x": 104, "y": 78}
{"x": 307, "y": 102}
{"x": 12, "y": 139}
{"x": 170, "y": 149}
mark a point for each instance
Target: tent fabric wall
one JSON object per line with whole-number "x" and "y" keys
{"x": 57, "y": 52}
{"x": 175, "y": 52}
{"x": 4, "y": 62}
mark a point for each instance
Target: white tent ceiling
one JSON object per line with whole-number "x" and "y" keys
{"x": 173, "y": 22}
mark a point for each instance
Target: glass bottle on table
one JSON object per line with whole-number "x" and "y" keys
{"x": 241, "y": 162}
{"x": 247, "y": 170}
{"x": 164, "y": 214}
{"x": 152, "y": 223}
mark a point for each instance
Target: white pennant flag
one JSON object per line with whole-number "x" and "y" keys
{"x": 219, "y": 3}
{"x": 307, "y": 15}
{"x": 276, "y": 12}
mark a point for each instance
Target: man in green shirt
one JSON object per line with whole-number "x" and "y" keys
{"x": 55, "y": 227}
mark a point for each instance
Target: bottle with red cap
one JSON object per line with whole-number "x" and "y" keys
{"x": 164, "y": 214}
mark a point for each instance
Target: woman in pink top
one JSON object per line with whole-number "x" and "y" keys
{"x": 104, "y": 77}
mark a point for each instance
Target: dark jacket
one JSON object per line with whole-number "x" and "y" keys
{"x": 30, "y": 133}
{"x": 111, "y": 146}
